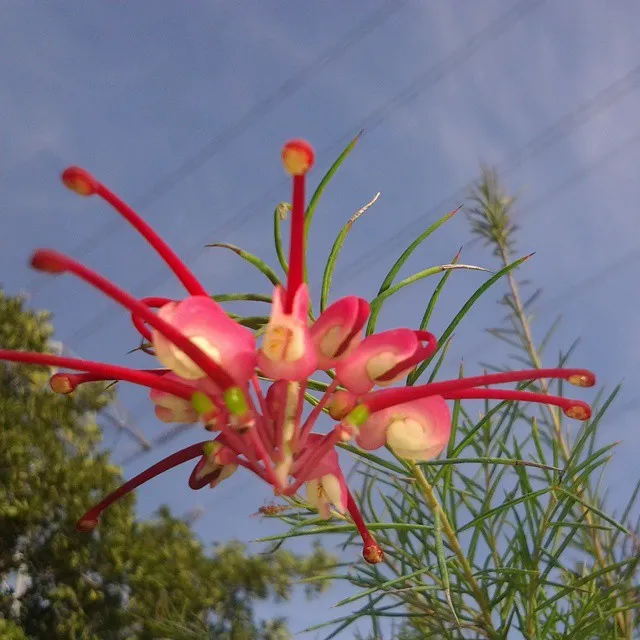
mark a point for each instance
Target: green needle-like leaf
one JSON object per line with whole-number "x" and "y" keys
{"x": 280, "y": 213}
{"x": 378, "y": 301}
{"x": 317, "y": 194}
{"x": 258, "y": 263}
{"x": 464, "y": 310}
{"x": 406, "y": 254}
{"x": 327, "y": 276}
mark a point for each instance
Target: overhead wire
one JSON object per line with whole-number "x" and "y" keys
{"x": 587, "y": 110}
{"x": 377, "y": 117}
{"x": 226, "y": 136}
{"x": 599, "y": 276}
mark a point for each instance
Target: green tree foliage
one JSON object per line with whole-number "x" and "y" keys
{"x": 130, "y": 579}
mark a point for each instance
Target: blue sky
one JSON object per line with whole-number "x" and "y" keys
{"x": 132, "y": 92}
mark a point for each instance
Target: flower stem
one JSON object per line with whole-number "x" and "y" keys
{"x": 102, "y": 371}
{"x": 310, "y": 422}
{"x": 434, "y": 504}
{"x": 529, "y": 347}
{"x": 46, "y": 260}
{"x": 296, "y": 246}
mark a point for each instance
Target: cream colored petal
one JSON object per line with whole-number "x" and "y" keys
{"x": 331, "y": 341}
{"x": 333, "y": 491}
{"x": 227, "y": 471}
{"x": 184, "y": 366}
{"x": 283, "y": 342}
{"x": 380, "y": 364}
{"x": 313, "y": 492}
{"x": 407, "y": 438}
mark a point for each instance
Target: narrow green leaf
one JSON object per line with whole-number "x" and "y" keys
{"x": 348, "y": 528}
{"x": 315, "y": 198}
{"x": 384, "y": 585}
{"x": 465, "y": 309}
{"x": 372, "y": 457}
{"x": 253, "y": 322}
{"x": 442, "y": 563}
{"x": 504, "y": 506}
{"x": 327, "y": 276}
{"x": 249, "y": 297}
{"x": 514, "y": 462}
{"x": 590, "y": 577}
{"x": 378, "y": 301}
{"x": 582, "y": 525}
{"x": 426, "y": 317}
{"x": 258, "y": 263}
{"x": 406, "y": 254}
{"x": 595, "y": 510}
{"x": 279, "y": 214}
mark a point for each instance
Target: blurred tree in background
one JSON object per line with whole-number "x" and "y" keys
{"x": 129, "y": 579}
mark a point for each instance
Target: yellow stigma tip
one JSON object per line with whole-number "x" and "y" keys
{"x": 79, "y": 181}
{"x": 581, "y": 380}
{"x": 578, "y": 412}
{"x": 297, "y": 157}
{"x": 210, "y": 448}
{"x": 235, "y": 401}
{"x": 85, "y": 526}
{"x": 60, "y": 383}
{"x": 373, "y": 554}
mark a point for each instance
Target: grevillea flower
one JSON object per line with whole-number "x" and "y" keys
{"x": 338, "y": 330}
{"x": 211, "y": 368}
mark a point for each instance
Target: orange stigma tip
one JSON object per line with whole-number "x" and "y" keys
{"x": 47, "y": 261}
{"x": 80, "y": 181}
{"x": 297, "y": 157}
{"x": 85, "y": 526}
{"x": 582, "y": 380}
{"x": 60, "y": 383}
{"x": 578, "y": 412}
{"x": 373, "y": 554}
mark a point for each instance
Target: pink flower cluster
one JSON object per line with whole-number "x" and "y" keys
{"x": 215, "y": 373}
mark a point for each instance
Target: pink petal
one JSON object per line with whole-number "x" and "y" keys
{"x": 417, "y": 430}
{"x": 181, "y": 416}
{"x": 373, "y": 433}
{"x": 203, "y": 321}
{"x": 376, "y": 355}
{"x": 327, "y": 475}
{"x": 276, "y": 398}
{"x": 287, "y": 352}
{"x": 170, "y": 408}
{"x": 338, "y": 330}
{"x": 329, "y": 462}
{"x": 209, "y": 470}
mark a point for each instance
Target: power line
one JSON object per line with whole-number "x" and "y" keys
{"x": 425, "y": 80}
{"x": 225, "y": 137}
{"x": 597, "y": 277}
{"x": 559, "y": 129}
{"x": 599, "y": 163}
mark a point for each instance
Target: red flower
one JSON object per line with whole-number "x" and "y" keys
{"x": 210, "y": 375}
